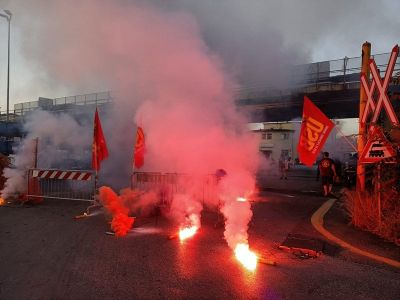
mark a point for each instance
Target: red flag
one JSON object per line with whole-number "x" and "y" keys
{"x": 138, "y": 156}
{"x": 315, "y": 129}
{"x": 99, "y": 146}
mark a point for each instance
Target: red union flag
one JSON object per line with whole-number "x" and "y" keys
{"x": 99, "y": 146}
{"x": 315, "y": 129}
{"x": 138, "y": 155}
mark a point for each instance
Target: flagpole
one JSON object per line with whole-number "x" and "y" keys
{"x": 132, "y": 175}
{"x": 345, "y": 138}
{"x": 133, "y": 168}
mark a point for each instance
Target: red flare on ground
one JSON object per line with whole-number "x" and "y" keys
{"x": 246, "y": 257}
{"x": 121, "y": 223}
{"x": 187, "y": 232}
{"x": 241, "y": 199}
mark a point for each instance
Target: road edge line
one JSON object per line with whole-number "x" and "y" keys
{"x": 317, "y": 220}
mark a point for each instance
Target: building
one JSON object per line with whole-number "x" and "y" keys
{"x": 278, "y": 138}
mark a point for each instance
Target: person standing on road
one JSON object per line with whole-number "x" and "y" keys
{"x": 283, "y": 166}
{"x": 328, "y": 172}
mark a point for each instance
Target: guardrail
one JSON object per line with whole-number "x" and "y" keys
{"x": 57, "y": 104}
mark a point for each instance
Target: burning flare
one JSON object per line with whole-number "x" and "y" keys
{"x": 2, "y": 201}
{"x": 246, "y": 257}
{"x": 241, "y": 199}
{"x": 191, "y": 227}
{"x": 187, "y": 232}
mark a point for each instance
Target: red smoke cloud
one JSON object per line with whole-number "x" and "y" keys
{"x": 163, "y": 74}
{"x": 121, "y": 223}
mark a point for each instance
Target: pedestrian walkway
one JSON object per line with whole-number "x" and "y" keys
{"x": 375, "y": 250}
{"x": 301, "y": 179}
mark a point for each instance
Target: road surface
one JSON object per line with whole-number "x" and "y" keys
{"x": 45, "y": 254}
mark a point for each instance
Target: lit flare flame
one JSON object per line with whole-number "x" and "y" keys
{"x": 241, "y": 199}
{"x": 2, "y": 201}
{"x": 246, "y": 257}
{"x": 187, "y": 232}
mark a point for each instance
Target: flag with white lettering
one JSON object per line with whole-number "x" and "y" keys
{"x": 315, "y": 129}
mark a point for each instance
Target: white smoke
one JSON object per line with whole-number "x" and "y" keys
{"x": 60, "y": 141}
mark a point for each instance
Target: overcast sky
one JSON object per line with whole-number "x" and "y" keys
{"x": 253, "y": 38}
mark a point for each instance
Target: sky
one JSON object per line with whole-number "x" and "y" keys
{"x": 254, "y": 39}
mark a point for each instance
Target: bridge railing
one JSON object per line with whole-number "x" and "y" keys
{"x": 62, "y": 103}
{"x": 331, "y": 74}
{"x": 328, "y": 75}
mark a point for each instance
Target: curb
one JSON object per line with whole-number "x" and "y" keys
{"x": 289, "y": 191}
{"x": 317, "y": 220}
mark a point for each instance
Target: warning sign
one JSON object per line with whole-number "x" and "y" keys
{"x": 377, "y": 148}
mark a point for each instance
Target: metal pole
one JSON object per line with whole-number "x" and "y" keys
{"x": 378, "y": 187}
{"x": 362, "y": 130}
{"x": 8, "y": 69}
{"x": 36, "y": 141}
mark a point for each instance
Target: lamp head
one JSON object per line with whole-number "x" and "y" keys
{"x": 8, "y": 13}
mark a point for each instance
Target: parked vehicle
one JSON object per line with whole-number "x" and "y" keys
{"x": 349, "y": 173}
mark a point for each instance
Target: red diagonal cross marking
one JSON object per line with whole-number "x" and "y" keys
{"x": 369, "y": 90}
{"x": 382, "y": 89}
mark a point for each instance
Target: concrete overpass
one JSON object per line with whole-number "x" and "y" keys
{"x": 334, "y": 86}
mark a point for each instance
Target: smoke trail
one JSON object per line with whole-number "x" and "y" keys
{"x": 139, "y": 202}
{"x": 121, "y": 223}
{"x": 62, "y": 141}
{"x": 237, "y": 213}
{"x": 186, "y": 210}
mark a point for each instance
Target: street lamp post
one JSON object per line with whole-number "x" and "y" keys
{"x": 7, "y": 14}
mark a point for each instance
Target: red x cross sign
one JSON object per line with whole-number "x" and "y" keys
{"x": 382, "y": 86}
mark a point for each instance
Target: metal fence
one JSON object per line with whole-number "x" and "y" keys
{"x": 166, "y": 185}
{"x": 328, "y": 75}
{"x": 61, "y": 184}
{"x": 57, "y": 104}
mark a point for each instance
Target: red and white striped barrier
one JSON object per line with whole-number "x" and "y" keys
{"x": 59, "y": 174}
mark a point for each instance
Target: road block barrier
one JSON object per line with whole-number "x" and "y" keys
{"x": 76, "y": 185}
{"x": 166, "y": 185}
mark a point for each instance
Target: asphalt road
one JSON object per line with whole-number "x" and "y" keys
{"x": 45, "y": 254}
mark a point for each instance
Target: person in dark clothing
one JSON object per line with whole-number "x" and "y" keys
{"x": 328, "y": 172}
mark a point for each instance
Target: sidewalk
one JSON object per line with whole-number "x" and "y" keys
{"x": 301, "y": 179}
{"x": 337, "y": 222}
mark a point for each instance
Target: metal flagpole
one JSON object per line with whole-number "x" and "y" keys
{"x": 345, "y": 138}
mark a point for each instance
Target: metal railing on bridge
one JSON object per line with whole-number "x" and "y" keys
{"x": 57, "y": 104}
{"x": 325, "y": 75}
